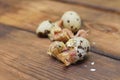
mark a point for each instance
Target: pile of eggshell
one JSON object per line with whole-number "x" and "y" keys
{"x": 69, "y": 41}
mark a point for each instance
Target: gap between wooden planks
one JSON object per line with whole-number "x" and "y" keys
{"x": 23, "y": 57}
{"x": 103, "y": 26}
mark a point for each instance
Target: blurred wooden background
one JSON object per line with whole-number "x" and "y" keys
{"x": 23, "y": 55}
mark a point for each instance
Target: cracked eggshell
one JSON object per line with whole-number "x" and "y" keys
{"x": 72, "y": 21}
{"x": 44, "y": 28}
{"x": 55, "y": 28}
{"x": 79, "y": 43}
{"x": 56, "y": 48}
{"x": 70, "y": 43}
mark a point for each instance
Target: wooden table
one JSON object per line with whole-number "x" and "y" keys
{"x": 23, "y": 55}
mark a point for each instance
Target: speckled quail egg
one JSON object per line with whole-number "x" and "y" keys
{"x": 80, "y": 53}
{"x": 44, "y": 28}
{"x": 72, "y": 21}
{"x": 79, "y": 43}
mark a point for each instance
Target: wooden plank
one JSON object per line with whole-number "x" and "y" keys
{"x": 27, "y": 11}
{"x": 23, "y": 57}
{"x": 9, "y": 73}
{"x": 105, "y": 24}
{"x": 106, "y": 5}
{"x": 105, "y": 38}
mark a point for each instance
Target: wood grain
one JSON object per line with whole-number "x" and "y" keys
{"x": 103, "y": 26}
{"x": 106, "y": 5}
{"x": 105, "y": 38}
{"x": 23, "y": 57}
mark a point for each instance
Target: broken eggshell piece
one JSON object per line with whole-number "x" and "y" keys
{"x": 56, "y": 48}
{"x": 68, "y": 57}
{"x": 58, "y": 34}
